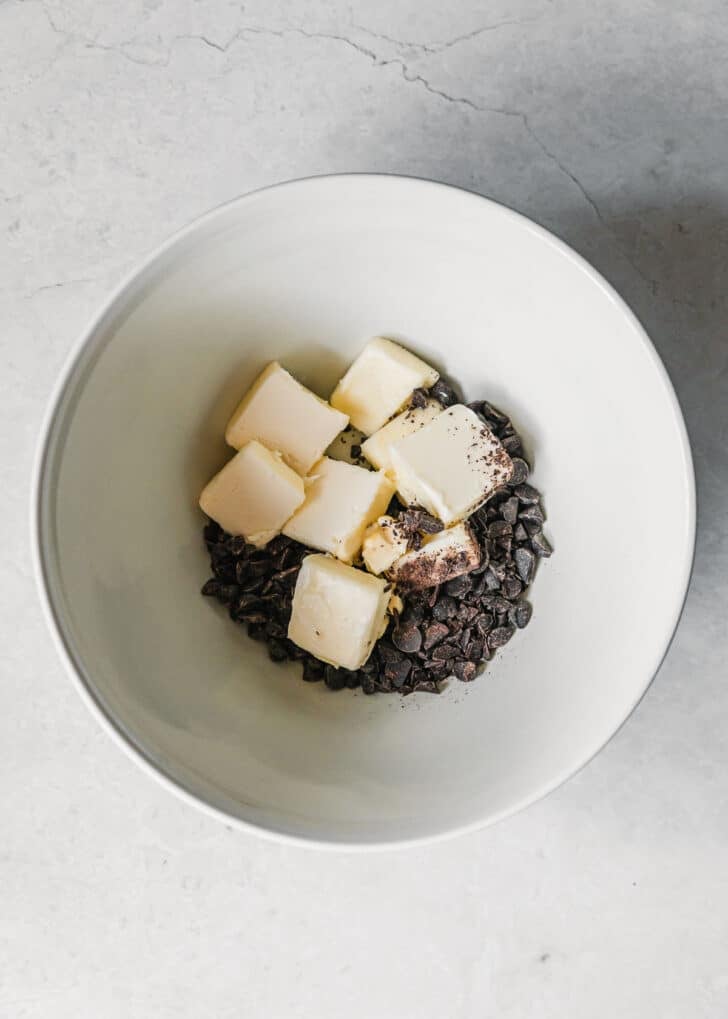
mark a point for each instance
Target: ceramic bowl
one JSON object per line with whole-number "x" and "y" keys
{"x": 306, "y": 272}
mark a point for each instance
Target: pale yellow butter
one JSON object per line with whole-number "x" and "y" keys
{"x": 379, "y": 383}
{"x": 282, "y": 414}
{"x": 341, "y": 500}
{"x": 377, "y": 447}
{"x": 451, "y": 465}
{"x": 254, "y": 494}
{"x": 384, "y": 542}
{"x": 338, "y": 611}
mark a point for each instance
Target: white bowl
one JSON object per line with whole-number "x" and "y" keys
{"x": 306, "y": 272}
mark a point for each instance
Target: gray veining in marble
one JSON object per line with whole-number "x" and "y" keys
{"x": 119, "y": 122}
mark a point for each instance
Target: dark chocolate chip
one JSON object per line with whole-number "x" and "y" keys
{"x": 277, "y": 651}
{"x": 459, "y": 586}
{"x": 444, "y": 393}
{"x": 527, "y": 494}
{"x": 484, "y": 624}
{"x": 434, "y": 633}
{"x": 512, "y": 445}
{"x": 313, "y": 670}
{"x": 525, "y": 564}
{"x": 407, "y": 639}
{"x": 500, "y": 636}
{"x": 540, "y": 545}
{"x": 418, "y": 398}
{"x": 520, "y": 471}
{"x": 509, "y": 509}
{"x": 397, "y": 672}
{"x": 413, "y": 614}
{"x": 520, "y": 614}
{"x": 474, "y": 650}
{"x": 335, "y": 679}
{"x": 500, "y": 529}
{"x": 444, "y": 609}
{"x": 465, "y": 671}
{"x": 520, "y": 533}
{"x": 511, "y": 588}
{"x": 429, "y": 524}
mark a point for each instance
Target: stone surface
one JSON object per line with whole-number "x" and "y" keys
{"x": 606, "y": 123}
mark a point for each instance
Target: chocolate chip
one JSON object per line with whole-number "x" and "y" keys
{"x": 418, "y": 398}
{"x": 313, "y": 670}
{"x": 335, "y": 679}
{"x": 444, "y": 393}
{"x": 520, "y": 471}
{"x": 495, "y": 603}
{"x": 397, "y": 672}
{"x": 277, "y": 651}
{"x": 500, "y": 529}
{"x": 511, "y": 588}
{"x": 525, "y": 564}
{"x": 509, "y": 510}
{"x": 500, "y": 636}
{"x": 387, "y": 653}
{"x": 540, "y": 545}
{"x": 484, "y": 624}
{"x": 512, "y": 445}
{"x": 413, "y": 614}
{"x": 459, "y": 586}
{"x": 474, "y": 650}
{"x": 520, "y": 533}
{"x": 527, "y": 494}
{"x": 520, "y": 614}
{"x": 407, "y": 639}
{"x": 429, "y": 524}
{"x": 444, "y": 652}
{"x": 256, "y": 631}
{"x": 499, "y": 419}
{"x": 434, "y": 633}
{"x": 444, "y": 609}
{"x": 465, "y": 671}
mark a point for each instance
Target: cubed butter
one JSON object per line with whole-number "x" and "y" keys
{"x": 282, "y": 414}
{"x": 443, "y": 556}
{"x": 338, "y": 611}
{"x": 341, "y": 500}
{"x": 384, "y": 542}
{"x": 379, "y": 383}
{"x": 377, "y": 447}
{"x": 451, "y": 465}
{"x": 254, "y": 494}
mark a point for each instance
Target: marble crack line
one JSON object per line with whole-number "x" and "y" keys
{"x": 59, "y": 285}
{"x": 377, "y": 61}
{"x": 419, "y": 79}
{"x": 440, "y": 47}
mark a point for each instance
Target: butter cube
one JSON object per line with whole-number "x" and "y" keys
{"x": 254, "y": 494}
{"x": 338, "y": 612}
{"x": 341, "y": 500}
{"x": 379, "y": 383}
{"x": 451, "y": 465}
{"x": 443, "y": 556}
{"x": 282, "y": 414}
{"x": 377, "y": 447}
{"x": 384, "y": 543}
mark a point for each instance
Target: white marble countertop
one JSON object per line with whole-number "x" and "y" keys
{"x": 119, "y": 122}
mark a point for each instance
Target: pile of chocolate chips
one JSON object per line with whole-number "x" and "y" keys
{"x": 442, "y": 631}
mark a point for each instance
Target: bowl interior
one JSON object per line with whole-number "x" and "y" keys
{"x": 306, "y": 273}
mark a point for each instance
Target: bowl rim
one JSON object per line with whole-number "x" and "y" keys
{"x": 40, "y": 479}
